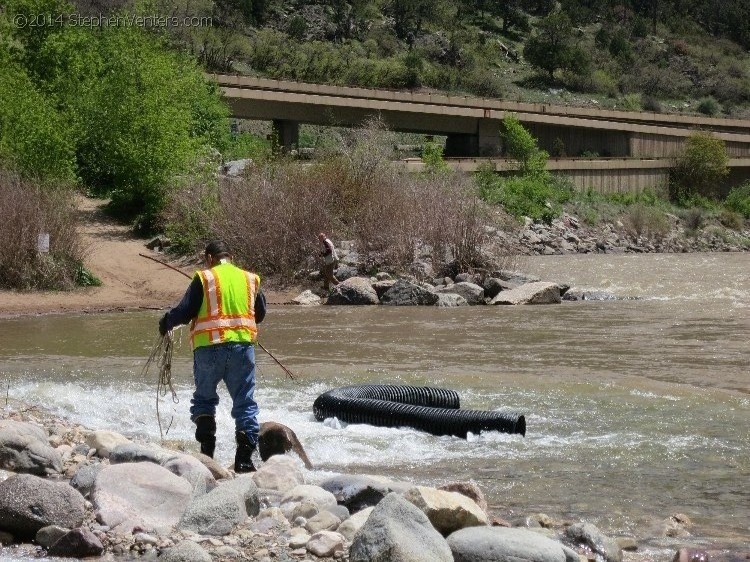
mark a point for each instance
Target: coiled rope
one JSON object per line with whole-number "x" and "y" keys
{"x": 161, "y": 355}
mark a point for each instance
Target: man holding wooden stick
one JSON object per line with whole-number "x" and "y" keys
{"x": 223, "y": 305}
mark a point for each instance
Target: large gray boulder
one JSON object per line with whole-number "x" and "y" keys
{"x": 450, "y": 300}
{"x": 406, "y": 293}
{"x": 140, "y": 494}
{"x": 382, "y": 286}
{"x": 501, "y": 544}
{"x": 84, "y": 478}
{"x": 235, "y": 168}
{"x": 24, "y": 448}
{"x": 28, "y": 503}
{"x": 447, "y": 511}
{"x": 358, "y": 492}
{"x": 354, "y": 523}
{"x": 493, "y": 285}
{"x": 540, "y": 292}
{"x": 590, "y": 537}
{"x": 140, "y": 452}
{"x": 280, "y": 473}
{"x": 104, "y": 441}
{"x": 355, "y": 290}
{"x": 78, "y": 543}
{"x": 396, "y": 531}
{"x": 194, "y": 471}
{"x": 223, "y": 508}
{"x": 306, "y": 493}
{"x": 185, "y": 551}
{"x": 49, "y": 535}
{"x": 514, "y": 277}
{"x": 474, "y": 294}
{"x": 306, "y": 298}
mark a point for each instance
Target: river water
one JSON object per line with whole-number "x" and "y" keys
{"x": 635, "y": 409}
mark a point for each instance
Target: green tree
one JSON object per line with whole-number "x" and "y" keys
{"x": 533, "y": 192}
{"x": 31, "y": 22}
{"x": 700, "y": 169}
{"x": 150, "y": 116}
{"x": 34, "y": 138}
{"x": 554, "y": 46}
{"x": 520, "y": 145}
{"x": 409, "y": 16}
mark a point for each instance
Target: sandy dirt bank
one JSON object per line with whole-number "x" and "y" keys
{"x": 130, "y": 282}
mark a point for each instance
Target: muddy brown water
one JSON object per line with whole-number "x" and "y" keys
{"x": 636, "y": 409}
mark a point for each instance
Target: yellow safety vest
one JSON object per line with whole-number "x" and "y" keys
{"x": 228, "y": 310}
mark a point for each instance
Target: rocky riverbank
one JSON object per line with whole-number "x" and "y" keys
{"x": 422, "y": 284}
{"x": 67, "y": 490}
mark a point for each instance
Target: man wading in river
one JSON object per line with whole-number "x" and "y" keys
{"x": 223, "y": 305}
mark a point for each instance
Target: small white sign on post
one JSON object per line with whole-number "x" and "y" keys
{"x": 42, "y": 243}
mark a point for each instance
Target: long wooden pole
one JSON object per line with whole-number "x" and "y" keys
{"x": 286, "y": 370}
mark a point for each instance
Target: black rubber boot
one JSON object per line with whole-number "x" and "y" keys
{"x": 205, "y": 434}
{"x": 242, "y": 458}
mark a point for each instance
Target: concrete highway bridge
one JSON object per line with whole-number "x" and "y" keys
{"x": 633, "y": 146}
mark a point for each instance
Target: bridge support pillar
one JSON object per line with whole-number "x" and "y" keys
{"x": 461, "y": 144}
{"x": 285, "y": 135}
{"x": 488, "y": 133}
{"x": 486, "y": 141}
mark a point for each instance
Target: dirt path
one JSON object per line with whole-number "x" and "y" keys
{"x": 130, "y": 282}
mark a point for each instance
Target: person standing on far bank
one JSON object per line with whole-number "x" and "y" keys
{"x": 330, "y": 261}
{"x": 224, "y": 305}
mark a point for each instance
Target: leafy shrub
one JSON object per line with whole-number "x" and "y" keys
{"x": 708, "y": 106}
{"x": 693, "y": 218}
{"x": 520, "y": 145}
{"x": 680, "y": 47}
{"x": 271, "y": 216}
{"x": 600, "y": 82}
{"x": 700, "y": 168}
{"x": 602, "y": 38}
{"x": 641, "y": 28}
{"x": 432, "y": 156}
{"x": 650, "y": 103}
{"x": 646, "y": 197}
{"x": 483, "y": 82}
{"x": 150, "y": 119}
{"x": 247, "y": 145}
{"x": 653, "y": 80}
{"x": 558, "y": 148}
{"x": 34, "y": 138}
{"x": 631, "y": 102}
{"x": 738, "y": 200}
{"x": 297, "y": 27}
{"x": 534, "y": 192}
{"x": 731, "y": 219}
{"x": 554, "y": 46}
{"x": 27, "y": 210}
{"x": 641, "y": 220}
{"x": 524, "y": 196}
{"x": 620, "y": 47}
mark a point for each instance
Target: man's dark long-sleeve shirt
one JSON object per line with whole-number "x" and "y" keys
{"x": 191, "y": 302}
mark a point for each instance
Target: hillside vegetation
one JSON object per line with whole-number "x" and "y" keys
{"x": 658, "y": 55}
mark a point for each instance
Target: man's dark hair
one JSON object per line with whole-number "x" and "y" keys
{"x": 217, "y": 249}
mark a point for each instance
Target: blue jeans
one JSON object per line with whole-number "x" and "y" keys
{"x": 233, "y": 363}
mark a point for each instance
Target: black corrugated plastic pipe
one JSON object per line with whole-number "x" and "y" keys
{"x": 434, "y": 410}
